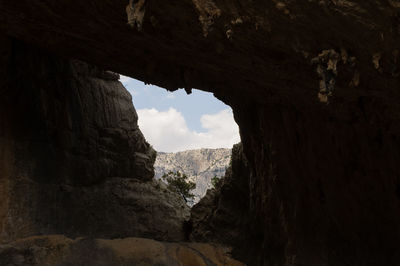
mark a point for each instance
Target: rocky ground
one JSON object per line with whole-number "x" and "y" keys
{"x": 62, "y": 251}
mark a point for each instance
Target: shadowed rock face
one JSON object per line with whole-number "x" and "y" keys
{"x": 314, "y": 87}
{"x": 73, "y": 160}
{"x": 222, "y": 215}
{"x": 215, "y": 45}
{"x": 74, "y": 122}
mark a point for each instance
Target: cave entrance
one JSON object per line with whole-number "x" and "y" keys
{"x": 192, "y": 134}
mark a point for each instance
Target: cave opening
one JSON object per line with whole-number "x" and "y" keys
{"x": 315, "y": 182}
{"x": 192, "y": 133}
{"x": 74, "y": 161}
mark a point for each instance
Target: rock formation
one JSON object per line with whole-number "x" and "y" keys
{"x": 222, "y": 215}
{"x": 314, "y": 87}
{"x": 73, "y": 160}
{"x": 199, "y": 165}
{"x": 60, "y": 250}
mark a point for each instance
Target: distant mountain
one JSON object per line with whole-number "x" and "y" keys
{"x": 199, "y": 165}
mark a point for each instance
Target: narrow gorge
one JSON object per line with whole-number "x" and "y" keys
{"x": 314, "y": 88}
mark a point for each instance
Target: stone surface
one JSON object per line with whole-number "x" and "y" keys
{"x": 57, "y": 250}
{"x": 67, "y": 121}
{"x": 314, "y": 89}
{"x": 116, "y": 208}
{"x": 199, "y": 165}
{"x": 72, "y": 158}
{"x": 248, "y": 44}
{"x": 222, "y": 215}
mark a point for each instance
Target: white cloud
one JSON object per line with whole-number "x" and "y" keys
{"x": 167, "y": 131}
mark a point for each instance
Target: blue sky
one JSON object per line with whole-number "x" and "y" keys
{"x": 175, "y": 121}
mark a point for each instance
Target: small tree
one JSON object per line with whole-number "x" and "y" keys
{"x": 216, "y": 181}
{"x": 180, "y": 184}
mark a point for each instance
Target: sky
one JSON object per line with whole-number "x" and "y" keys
{"x": 175, "y": 121}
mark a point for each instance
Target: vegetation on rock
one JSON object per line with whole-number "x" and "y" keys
{"x": 216, "y": 181}
{"x": 199, "y": 165}
{"x": 179, "y": 183}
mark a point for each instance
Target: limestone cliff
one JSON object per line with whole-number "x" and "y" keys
{"x": 199, "y": 165}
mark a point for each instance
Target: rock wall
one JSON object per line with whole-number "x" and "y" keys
{"x": 78, "y": 122}
{"x": 313, "y": 86}
{"x": 324, "y": 182}
{"x": 323, "y": 190}
{"x": 223, "y": 214}
{"x": 73, "y": 160}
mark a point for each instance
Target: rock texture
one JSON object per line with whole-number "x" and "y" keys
{"x": 73, "y": 160}
{"x": 314, "y": 89}
{"x": 199, "y": 165}
{"x": 222, "y": 215}
{"x": 74, "y": 123}
{"x": 57, "y": 250}
{"x": 115, "y": 208}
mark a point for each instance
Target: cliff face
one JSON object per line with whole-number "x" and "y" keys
{"x": 222, "y": 215}
{"x": 314, "y": 89}
{"x": 199, "y": 165}
{"x": 77, "y": 122}
{"x": 326, "y": 179}
{"x": 73, "y": 160}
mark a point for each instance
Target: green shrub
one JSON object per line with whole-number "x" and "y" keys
{"x": 216, "y": 181}
{"x": 179, "y": 183}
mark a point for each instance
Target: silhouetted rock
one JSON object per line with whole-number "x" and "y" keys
{"x": 72, "y": 158}
{"x": 221, "y": 216}
{"x": 313, "y": 85}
